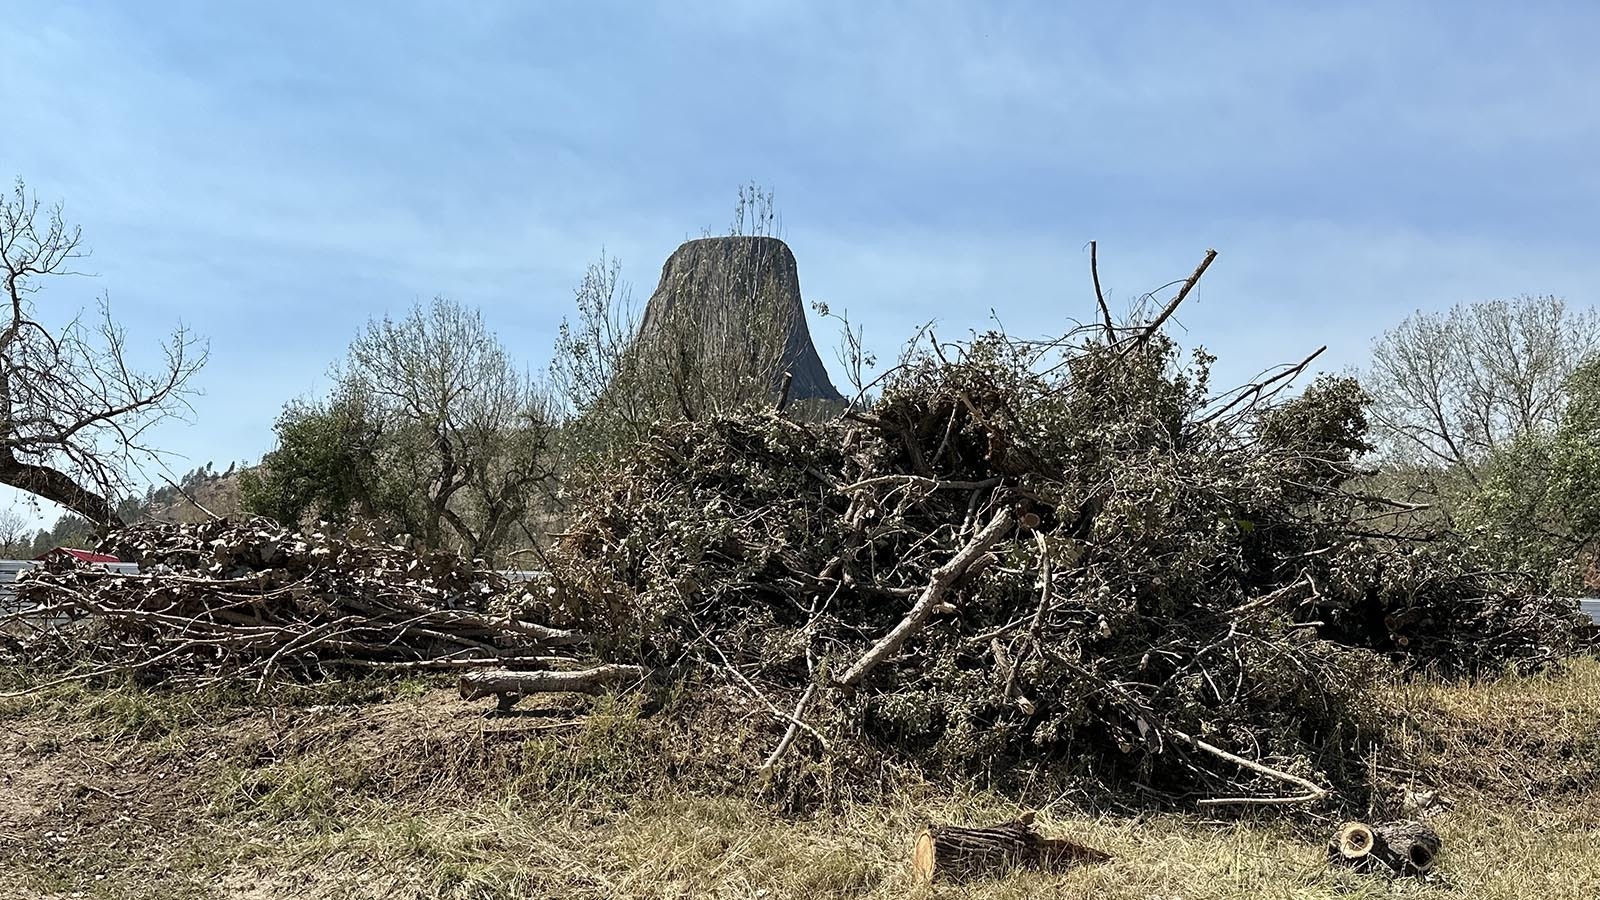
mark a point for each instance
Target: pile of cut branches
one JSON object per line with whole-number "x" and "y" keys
{"x": 256, "y": 600}
{"x": 1035, "y": 551}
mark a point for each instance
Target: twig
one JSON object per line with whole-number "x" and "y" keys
{"x": 1313, "y": 790}
{"x": 793, "y": 720}
{"x": 1172, "y": 307}
{"x": 931, "y": 483}
{"x": 1255, "y": 390}
{"x": 1033, "y": 629}
{"x": 1270, "y": 597}
{"x": 192, "y": 501}
{"x": 1105, "y": 311}
{"x": 1263, "y": 801}
{"x": 796, "y": 722}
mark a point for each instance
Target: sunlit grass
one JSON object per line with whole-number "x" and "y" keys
{"x": 420, "y": 796}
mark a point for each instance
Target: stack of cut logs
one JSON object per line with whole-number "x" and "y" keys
{"x": 224, "y": 599}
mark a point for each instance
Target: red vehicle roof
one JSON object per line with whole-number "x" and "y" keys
{"x": 80, "y": 555}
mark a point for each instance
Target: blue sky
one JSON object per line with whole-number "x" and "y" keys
{"x": 274, "y": 174}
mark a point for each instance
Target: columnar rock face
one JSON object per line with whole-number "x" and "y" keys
{"x": 747, "y": 287}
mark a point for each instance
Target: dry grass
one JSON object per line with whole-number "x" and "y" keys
{"x": 123, "y": 793}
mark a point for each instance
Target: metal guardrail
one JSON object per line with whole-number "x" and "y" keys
{"x": 11, "y": 568}
{"x": 1592, "y": 607}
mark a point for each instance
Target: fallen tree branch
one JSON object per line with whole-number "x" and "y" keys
{"x": 796, "y": 722}
{"x": 1313, "y": 791}
{"x": 506, "y": 683}
{"x": 932, "y": 597}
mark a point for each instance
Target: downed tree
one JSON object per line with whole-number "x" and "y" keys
{"x": 1393, "y": 848}
{"x": 956, "y": 854}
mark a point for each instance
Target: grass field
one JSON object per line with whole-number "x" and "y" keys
{"x": 406, "y": 791}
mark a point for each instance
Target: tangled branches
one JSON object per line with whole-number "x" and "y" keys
{"x": 257, "y": 601}
{"x": 1036, "y": 551}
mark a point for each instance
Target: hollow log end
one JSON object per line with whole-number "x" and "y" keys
{"x": 1420, "y": 856}
{"x": 1412, "y": 846}
{"x": 1353, "y": 840}
{"x": 922, "y": 856}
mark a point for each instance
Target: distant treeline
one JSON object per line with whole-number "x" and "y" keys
{"x": 167, "y": 503}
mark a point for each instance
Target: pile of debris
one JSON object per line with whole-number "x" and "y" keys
{"x": 1034, "y": 552}
{"x": 229, "y": 600}
{"x": 1069, "y": 552}
{"x": 1430, "y": 605}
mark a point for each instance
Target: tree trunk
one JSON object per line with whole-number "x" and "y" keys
{"x": 949, "y": 853}
{"x": 1394, "y": 848}
{"x": 510, "y": 686}
{"x": 55, "y": 486}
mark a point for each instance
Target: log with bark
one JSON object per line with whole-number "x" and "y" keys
{"x": 952, "y": 853}
{"x": 509, "y": 686}
{"x": 1393, "y": 848}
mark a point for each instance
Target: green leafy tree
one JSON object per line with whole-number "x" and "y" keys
{"x": 1536, "y": 503}
{"x": 324, "y": 464}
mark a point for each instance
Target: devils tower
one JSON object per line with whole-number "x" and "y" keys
{"x": 747, "y": 288}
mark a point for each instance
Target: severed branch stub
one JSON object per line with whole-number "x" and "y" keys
{"x": 951, "y": 853}
{"x": 509, "y": 686}
{"x": 1393, "y": 848}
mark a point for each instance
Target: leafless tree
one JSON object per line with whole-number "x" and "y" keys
{"x": 75, "y": 412}
{"x": 16, "y": 532}
{"x": 1449, "y": 388}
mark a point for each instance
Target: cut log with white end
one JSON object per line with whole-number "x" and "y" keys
{"x": 1393, "y": 848}
{"x": 951, "y": 853}
{"x": 1353, "y": 841}
{"x": 510, "y": 686}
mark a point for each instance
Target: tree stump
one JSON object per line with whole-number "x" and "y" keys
{"x": 951, "y": 853}
{"x": 1393, "y": 848}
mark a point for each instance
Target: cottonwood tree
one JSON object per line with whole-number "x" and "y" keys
{"x": 76, "y": 411}
{"x": 1450, "y": 388}
{"x": 16, "y": 533}
{"x": 431, "y": 427}
{"x": 1487, "y": 413}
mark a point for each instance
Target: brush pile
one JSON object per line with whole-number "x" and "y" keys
{"x": 229, "y": 600}
{"x": 1070, "y": 552}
